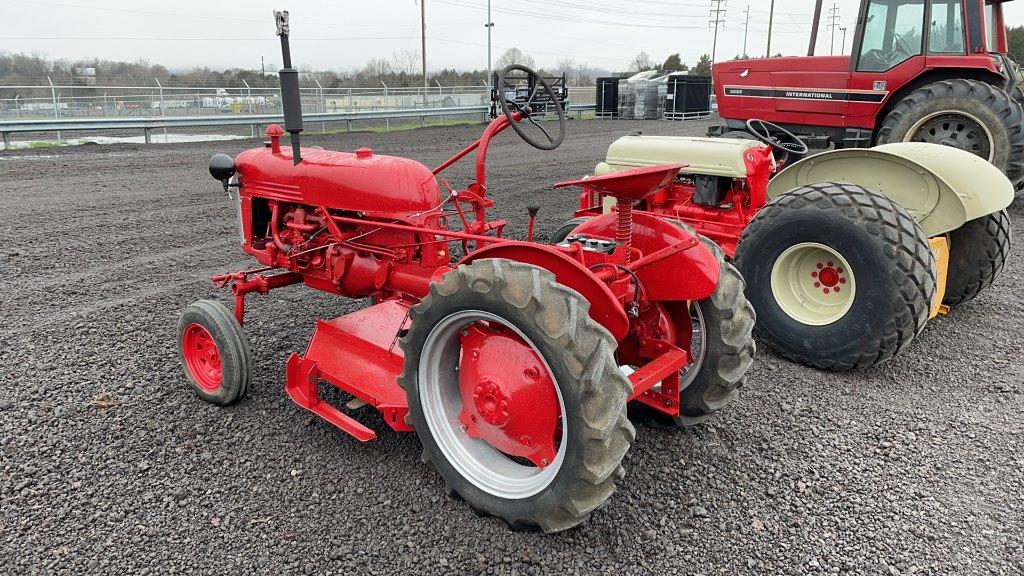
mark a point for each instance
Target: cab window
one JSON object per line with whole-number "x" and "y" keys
{"x": 892, "y": 34}
{"x": 946, "y": 28}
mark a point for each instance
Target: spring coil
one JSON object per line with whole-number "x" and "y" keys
{"x": 624, "y": 228}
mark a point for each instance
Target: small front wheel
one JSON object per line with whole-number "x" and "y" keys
{"x": 214, "y": 352}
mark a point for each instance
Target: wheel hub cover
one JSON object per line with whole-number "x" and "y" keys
{"x": 956, "y": 131}
{"x": 813, "y": 284}
{"x": 508, "y": 398}
{"x": 201, "y": 356}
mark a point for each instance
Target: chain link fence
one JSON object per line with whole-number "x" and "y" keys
{"x": 63, "y": 103}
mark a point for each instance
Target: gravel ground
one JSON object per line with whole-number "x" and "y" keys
{"x": 110, "y": 465}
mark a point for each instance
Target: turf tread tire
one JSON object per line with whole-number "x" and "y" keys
{"x": 907, "y": 277}
{"x": 978, "y": 251}
{"x": 581, "y": 354}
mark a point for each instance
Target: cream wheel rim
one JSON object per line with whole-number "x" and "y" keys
{"x": 813, "y": 284}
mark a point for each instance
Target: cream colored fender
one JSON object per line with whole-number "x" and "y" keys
{"x": 941, "y": 187}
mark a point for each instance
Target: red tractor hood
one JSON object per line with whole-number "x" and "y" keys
{"x": 358, "y": 182}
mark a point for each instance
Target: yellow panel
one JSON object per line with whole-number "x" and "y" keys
{"x": 940, "y": 247}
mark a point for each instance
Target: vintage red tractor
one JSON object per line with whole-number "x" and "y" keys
{"x": 514, "y": 362}
{"x": 846, "y": 254}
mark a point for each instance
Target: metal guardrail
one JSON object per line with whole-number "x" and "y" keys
{"x": 148, "y": 125}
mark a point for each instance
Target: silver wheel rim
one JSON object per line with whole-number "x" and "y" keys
{"x": 698, "y": 347}
{"x": 474, "y": 459}
{"x": 914, "y": 134}
{"x": 800, "y": 289}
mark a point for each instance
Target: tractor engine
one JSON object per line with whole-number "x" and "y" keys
{"x": 317, "y": 219}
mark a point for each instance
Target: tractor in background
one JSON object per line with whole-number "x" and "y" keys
{"x": 846, "y": 254}
{"x": 513, "y": 362}
{"x": 936, "y": 71}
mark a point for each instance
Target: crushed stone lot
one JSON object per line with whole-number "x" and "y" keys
{"x": 109, "y": 464}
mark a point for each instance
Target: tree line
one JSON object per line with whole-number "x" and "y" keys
{"x": 401, "y": 70}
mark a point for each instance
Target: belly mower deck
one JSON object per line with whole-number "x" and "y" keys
{"x": 359, "y": 354}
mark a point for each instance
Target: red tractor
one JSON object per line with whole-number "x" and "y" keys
{"x": 513, "y": 362}
{"x": 846, "y": 254}
{"x": 934, "y": 71}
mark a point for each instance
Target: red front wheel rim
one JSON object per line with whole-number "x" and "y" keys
{"x": 202, "y": 358}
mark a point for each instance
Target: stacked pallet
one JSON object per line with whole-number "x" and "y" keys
{"x": 630, "y": 105}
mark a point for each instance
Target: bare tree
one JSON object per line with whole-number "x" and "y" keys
{"x": 406, "y": 62}
{"x": 641, "y": 62}
{"x": 376, "y": 67}
{"x": 513, "y": 56}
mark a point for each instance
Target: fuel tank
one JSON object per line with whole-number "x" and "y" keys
{"x": 361, "y": 181}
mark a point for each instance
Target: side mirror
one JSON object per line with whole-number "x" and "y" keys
{"x": 222, "y": 167}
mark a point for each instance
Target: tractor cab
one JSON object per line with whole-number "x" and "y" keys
{"x": 898, "y": 46}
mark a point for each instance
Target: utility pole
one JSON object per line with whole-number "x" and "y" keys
{"x": 263, "y": 71}
{"x": 423, "y": 48}
{"x": 814, "y": 27}
{"x": 833, "y": 23}
{"x": 843, "y": 30}
{"x": 718, "y": 15}
{"x": 747, "y": 29}
{"x": 771, "y": 20}
{"x": 490, "y": 72}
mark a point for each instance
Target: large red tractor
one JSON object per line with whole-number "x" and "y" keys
{"x": 935, "y": 71}
{"x": 513, "y": 362}
{"x": 846, "y": 254}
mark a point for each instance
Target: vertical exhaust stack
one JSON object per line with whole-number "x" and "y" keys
{"x": 291, "y": 99}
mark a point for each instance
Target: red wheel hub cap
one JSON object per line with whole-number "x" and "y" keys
{"x": 202, "y": 358}
{"x": 509, "y": 399}
{"x": 828, "y": 277}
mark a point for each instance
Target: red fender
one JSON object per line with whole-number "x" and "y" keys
{"x": 688, "y": 274}
{"x": 604, "y": 307}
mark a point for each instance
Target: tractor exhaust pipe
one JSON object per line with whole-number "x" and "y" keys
{"x": 291, "y": 99}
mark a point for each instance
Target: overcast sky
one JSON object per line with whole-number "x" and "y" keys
{"x": 342, "y": 35}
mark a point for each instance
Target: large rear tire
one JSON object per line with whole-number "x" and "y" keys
{"x": 966, "y": 114}
{"x": 565, "y": 229}
{"x": 841, "y": 277}
{"x": 978, "y": 251}
{"x": 579, "y": 355}
{"x": 723, "y": 349}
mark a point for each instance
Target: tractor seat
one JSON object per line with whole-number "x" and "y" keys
{"x": 710, "y": 156}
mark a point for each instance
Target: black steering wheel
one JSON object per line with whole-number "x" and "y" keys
{"x": 900, "y": 47}
{"x": 777, "y": 137}
{"x": 538, "y": 87}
